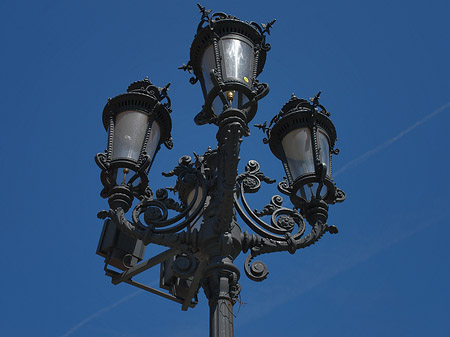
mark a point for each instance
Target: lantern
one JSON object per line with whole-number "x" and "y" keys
{"x": 137, "y": 124}
{"x": 303, "y": 138}
{"x": 226, "y": 56}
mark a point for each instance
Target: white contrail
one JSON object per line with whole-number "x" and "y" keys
{"x": 390, "y": 141}
{"x": 100, "y": 312}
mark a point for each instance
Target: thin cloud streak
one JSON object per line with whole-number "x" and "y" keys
{"x": 100, "y": 312}
{"x": 370, "y": 153}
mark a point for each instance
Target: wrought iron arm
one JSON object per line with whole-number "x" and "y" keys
{"x": 279, "y": 235}
{"x": 156, "y": 210}
{"x": 257, "y": 270}
{"x": 283, "y": 220}
{"x": 138, "y": 231}
{"x": 158, "y": 227}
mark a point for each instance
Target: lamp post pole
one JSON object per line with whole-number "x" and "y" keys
{"x": 204, "y": 237}
{"x": 222, "y": 233}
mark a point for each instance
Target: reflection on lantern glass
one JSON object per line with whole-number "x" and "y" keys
{"x": 324, "y": 151}
{"x": 198, "y": 221}
{"x": 309, "y": 191}
{"x": 237, "y": 65}
{"x": 208, "y": 63}
{"x": 153, "y": 140}
{"x": 123, "y": 176}
{"x": 297, "y": 147}
{"x": 129, "y": 133}
{"x": 238, "y": 59}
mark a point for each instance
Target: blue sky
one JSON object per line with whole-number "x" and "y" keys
{"x": 383, "y": 68}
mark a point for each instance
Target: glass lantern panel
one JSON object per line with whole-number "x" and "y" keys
{"x": 297, "y": 147}
{"x": 129, "y": 133}
{"x": 217, "y": 106}
{"x": 123, "y": 176}
{"x": 198, "y": 221}
{"x": 309, "y": 191}
{"x": 239, "y": 99}
{"x": 208, "y": 63}
{"x": 238, "y": 59}
{"x": 153, "y": 139}
{"x": 237, "y": 64}
{"x": 242, "y": 99}
{"x": 324, "y": 151}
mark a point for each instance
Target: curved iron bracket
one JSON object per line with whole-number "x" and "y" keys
{"x": 280, "y": 234}
{"x": 155, "y": 210}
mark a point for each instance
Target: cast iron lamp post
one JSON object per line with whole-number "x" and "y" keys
{"x": 204, "y": 237}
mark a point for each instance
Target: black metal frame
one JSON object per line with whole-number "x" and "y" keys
{"x": 204, "y": 257}
{"x": 144, "y": 97}
{"x": 295, "y": 114}
{"x": 211, "y": 30}
{"x": 220, "y": 240}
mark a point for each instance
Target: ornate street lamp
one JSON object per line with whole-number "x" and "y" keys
{"x": 227, "y": 55}
{"x": 137, "y": 124}
{"x": 204, "y": 237}
{"x": 303, "y": 136}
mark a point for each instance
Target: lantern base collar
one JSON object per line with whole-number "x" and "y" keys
{"x": 209, "y": 116}
{"x": 121, "y": 196}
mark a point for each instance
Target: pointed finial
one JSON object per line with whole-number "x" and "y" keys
{"x": 187, "y": 67}
{"x": 205, "y": 13}
{"x": 262, "y": 127}
{"x": 266, "y": 27}
{"x": 165, "y": 88}
{"x": 315, "y": 99}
